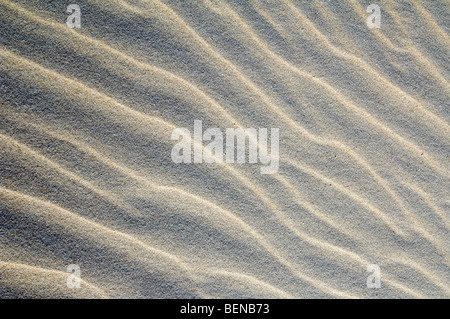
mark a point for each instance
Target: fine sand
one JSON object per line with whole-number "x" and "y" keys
{"x": 86, "y": 175}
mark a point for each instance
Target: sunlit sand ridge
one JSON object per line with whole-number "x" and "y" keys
{"x": 85, "y": 149}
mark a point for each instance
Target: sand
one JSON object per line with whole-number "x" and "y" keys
{"x": 86, "y": 117}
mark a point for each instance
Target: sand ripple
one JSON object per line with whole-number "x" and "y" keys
{"x": 87, "y": 177}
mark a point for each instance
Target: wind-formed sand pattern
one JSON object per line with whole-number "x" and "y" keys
{"x": 85, "y": 143}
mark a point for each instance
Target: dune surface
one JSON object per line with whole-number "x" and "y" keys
{"x": 87, "y": 179}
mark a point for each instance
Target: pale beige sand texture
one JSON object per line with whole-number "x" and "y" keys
{"x": 86, "y": 175}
